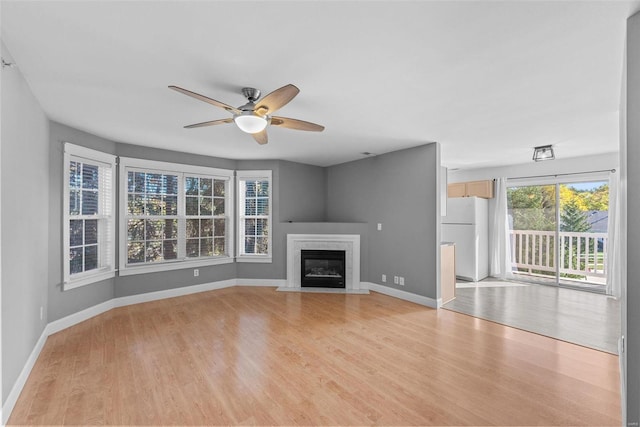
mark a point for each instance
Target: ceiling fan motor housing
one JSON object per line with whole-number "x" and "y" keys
{"x": 251, "y": 93}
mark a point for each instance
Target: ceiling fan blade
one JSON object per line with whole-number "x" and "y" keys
{"x": 276, "y": 99}
{"x": 209, "y": 123}
{"x": 261, "y": 137}
{"x": 296, "y": 124}
{"x": 206, "y": 99}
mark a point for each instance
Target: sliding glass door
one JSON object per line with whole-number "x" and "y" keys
{"x": 559, "y": 233}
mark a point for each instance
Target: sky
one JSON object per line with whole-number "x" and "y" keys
{"x": 586, "y": 185}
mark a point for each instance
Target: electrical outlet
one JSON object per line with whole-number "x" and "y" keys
{"x": 196, "y": 272}
{"x": 395, "y": 280}
{"x": 401, "y": 281}
{"x": 384, "y": 278}
{"x": 379, "y": 226}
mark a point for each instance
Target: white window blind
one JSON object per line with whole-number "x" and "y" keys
{"x": 89, "y": 223}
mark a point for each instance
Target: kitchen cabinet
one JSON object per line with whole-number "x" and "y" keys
{"x": 458, "y": 189}
{"x": 447, "y": 272}
{"x": 483, "y": 189}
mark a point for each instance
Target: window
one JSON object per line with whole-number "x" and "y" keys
{"x": 175, "y": 216}
{"x": 254, "y": 215}
{"x": 205, "y": 213}
{"x": 88, "y": 229}
{"x": 152, "y": 216}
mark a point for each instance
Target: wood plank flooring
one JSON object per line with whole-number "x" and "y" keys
{"x": 579, "y": 317}
{"x": 254, "y": 356}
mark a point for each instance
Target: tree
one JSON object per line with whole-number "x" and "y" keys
{"x": 598, "y": 199}
{"x": 571, "y": 195}
{"x": 572, "y": 218}
{"x": 532, "y": 207}
{"x": 595, "y": 199}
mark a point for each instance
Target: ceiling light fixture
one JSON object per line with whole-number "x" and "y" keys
{"x": 250, "y": 122}
{"x": 543, "y": 152}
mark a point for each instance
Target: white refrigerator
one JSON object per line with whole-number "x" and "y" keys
{"x": 467, "y": 225}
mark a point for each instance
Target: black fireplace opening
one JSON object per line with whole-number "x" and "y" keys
{"x": 322, "y": 269}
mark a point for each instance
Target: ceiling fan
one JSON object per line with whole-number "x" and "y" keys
{"x": 254, "y": 116}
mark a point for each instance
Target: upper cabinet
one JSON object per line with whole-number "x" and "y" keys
{"x": 458, "y": 189}
{"x": 482, "y": 189}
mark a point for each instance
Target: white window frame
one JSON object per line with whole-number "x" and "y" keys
{"x": 106, "y": 202}
{"x": 181, "y": 170}
{"x": 263, "y": 175}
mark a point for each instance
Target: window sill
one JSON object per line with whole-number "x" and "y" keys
{"x": 253, "y": 258}
{"x": 177, "y": 265}
{"x": 87, "y": 279}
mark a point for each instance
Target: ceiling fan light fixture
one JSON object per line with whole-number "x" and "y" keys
{"x": 250, "y": 122}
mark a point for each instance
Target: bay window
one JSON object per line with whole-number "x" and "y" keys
{"x": 175, "y": 216}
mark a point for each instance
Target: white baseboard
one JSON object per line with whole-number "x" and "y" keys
{"x": 80, "y": 316}
{"x": 314, "y": 290}
{"x": 172, "y": 293}
{"x": 397, "y": 293}
{"x": 13, "y": 395}
{"x": 261, "y": 282}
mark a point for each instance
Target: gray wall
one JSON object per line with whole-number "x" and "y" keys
{"x": 172, "y": 279}
{"x": 156, "y": 154}
{"x": 302, "y": 193}
{"x": 400, "y": 191}
{"x": 25, "y": 201}
{"x": 633, "y": 214}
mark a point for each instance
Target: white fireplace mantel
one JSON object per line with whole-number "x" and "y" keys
{"x": 350, "y": 243}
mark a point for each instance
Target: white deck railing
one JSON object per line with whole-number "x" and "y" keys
{"x": 582, "y": 254}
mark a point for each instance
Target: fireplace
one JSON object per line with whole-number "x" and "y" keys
{"x": 347, "y": 243}
{"x": 322, "y": 268}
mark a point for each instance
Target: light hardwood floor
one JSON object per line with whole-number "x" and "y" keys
{"x": 248, "y": 355}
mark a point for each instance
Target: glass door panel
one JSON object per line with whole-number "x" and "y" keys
{"x": 533, "y": 224}
{"x": 584, "y": 214}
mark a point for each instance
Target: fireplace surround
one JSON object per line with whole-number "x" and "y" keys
{"x": 349, "y": 243}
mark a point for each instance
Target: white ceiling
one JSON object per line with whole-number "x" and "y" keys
{"x": 488, "y": 80}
